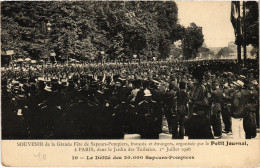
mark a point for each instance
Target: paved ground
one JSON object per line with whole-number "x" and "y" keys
{"x": 166, "y": 135}
{"x": 169, "y": 136}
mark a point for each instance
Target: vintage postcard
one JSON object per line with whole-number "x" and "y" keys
{"x": 130, "y": 83}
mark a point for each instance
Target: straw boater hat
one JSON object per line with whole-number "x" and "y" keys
{"x": 241, "y": 76}
{"x": 239, "y": 83}
{"x": 254, "y": 82}
{"x": 226, "y": 85}
{"x": 47, "y": 88}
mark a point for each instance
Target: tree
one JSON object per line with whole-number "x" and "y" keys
{"x": 205, "y": 52}
{"x": 81, "y": 29}
{"x": 254, "y": 52}
{"x": 27, "y": 24}
{"x": 192, "y": 40}
{"x": 252, "y": 25}
{"x": 224, "y": 52}
{"x": 167, "y": 18}
{"x": 116, "y": 46}
{"x": 176, "y": 50}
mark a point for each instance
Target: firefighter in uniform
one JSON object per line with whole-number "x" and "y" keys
{"x": 148, "y": 117}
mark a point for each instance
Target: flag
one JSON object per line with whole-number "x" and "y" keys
{"x": 235, "y": 16}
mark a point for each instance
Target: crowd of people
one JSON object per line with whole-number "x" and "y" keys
{"x": 107, "y": 101}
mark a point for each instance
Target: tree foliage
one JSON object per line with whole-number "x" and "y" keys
{"x": 225, "y": 51}
{"x": 205, "y": 52}
{"x": 192, "y": 40}
{"x": 83, "y": 29}
{"x": 252, "y": 25}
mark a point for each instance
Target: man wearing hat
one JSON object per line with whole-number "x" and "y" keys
{"x": 229, "y": 91}
{"x": 197, "y": 126}
{"x": 249, "y": 121}
{"x": 215, "y": 103}
{"x": 239, "y": 100}
{"x": 140, "y": 93}
{"x": 182, "y": 110}
{"x": 107, "y": 118}
{"x": 135, "y": 90}
{"x": 170, "y": 108}
{"x": 8, "y": 108}
{"x": 149, "y": 118}
{"x": 256, "y": 87}
{"x": 124, "y": 117}
{"x": 158, "y": 98}
{"x": 199, "y": 95}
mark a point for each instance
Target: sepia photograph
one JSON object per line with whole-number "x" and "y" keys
{"x": 130, "y": 83}
{"x": 113, "y": 70}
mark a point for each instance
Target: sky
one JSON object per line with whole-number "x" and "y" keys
{"x": 212, "y": 16}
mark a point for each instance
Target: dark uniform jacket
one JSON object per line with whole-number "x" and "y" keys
{"x": 239, "y": 101}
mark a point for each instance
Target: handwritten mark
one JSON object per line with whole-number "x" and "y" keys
{"x": 40, "y": 156}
